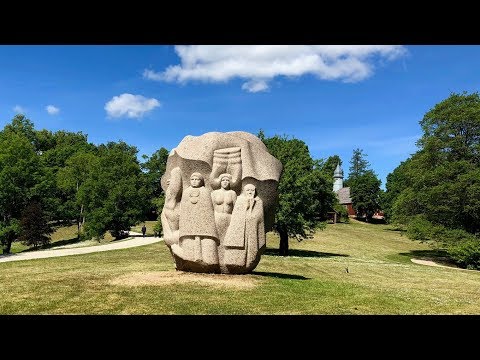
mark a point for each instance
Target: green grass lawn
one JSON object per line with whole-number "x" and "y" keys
{"x": 381, "y": 279}
{"x": 148, "y": 224}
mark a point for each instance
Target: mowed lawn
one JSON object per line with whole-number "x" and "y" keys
{"x": 353, "y": 268}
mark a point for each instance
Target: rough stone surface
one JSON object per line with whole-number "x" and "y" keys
{"x": 221, "y": 192}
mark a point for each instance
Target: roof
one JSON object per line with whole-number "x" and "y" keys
{"x": 338, "y": 173}
{"x": 344, "y": 195}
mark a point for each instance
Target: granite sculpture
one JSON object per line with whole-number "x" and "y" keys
{"x": 220, "y": 195}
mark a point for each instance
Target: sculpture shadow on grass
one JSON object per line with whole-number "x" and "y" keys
{"x": 280, "y": 275}
{"x": 302, "y": 253}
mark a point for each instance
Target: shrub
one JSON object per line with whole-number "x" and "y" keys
{"x": 466, "y": 253}
{"x": 342, "y": 213}
{"x": 419, "y": 228}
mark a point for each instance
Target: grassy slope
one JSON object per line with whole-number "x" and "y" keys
{"x": 381, "y": 279}
{"x": 67, "y": 235}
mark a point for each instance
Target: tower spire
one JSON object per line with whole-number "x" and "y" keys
{"x": 337, "y": 178}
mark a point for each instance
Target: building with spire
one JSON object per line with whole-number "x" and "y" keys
{"x": 343, "y": 193}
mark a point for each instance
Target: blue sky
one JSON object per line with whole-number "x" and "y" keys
{"x": 334, "y": 98}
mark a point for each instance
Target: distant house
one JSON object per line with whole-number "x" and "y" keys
{"x": 343, "y": 193}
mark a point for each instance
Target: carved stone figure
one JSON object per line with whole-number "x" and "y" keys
{"x": 209, "y": 224}
{"x": 223, "y": 200}
{"x": 170, "y": 216}
{"x": 227, "y": 161}
{"x": 198, "y": 235}
{"x": 245, "y": 238}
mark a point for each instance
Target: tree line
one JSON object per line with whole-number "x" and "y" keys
{"x": 435, "y": 194}
{"x": 59, "y": 177}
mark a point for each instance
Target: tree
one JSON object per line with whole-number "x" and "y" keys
{"x": 441, "y": 180}
{"x": 327, "y": 167}
{"x": 55, "y": 150}
{"x": 20, "y": 175}
{"x": 365, "y": 193}
{"x": 358, "y": 164}
{"x": 397, "y": 181}
{"x": 154, "y": 168}
{"x": 114, "y": 195}
{"x": 35, "y": 228}
{"x": 304, "y": 193}
{"x": 364, "y": 186}
{"x": 71, "y": 178}
{"x": 451, "y": 130}
{"x": 440, "y": 183}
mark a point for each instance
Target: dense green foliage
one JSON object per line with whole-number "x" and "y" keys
{"x": 358, "y": 164}
{"x": 154, "y": 167}
{"x": 114, "y": 195}
{"x": 440, "y": 183}
{"x": 60, "y": 177}
{"x": 21, "y": 175}
{"x": 328, "y": 166}
{"x": 364, "y": 186}
{"x": 35, "y": 228}
{"x": 305, "y": 192}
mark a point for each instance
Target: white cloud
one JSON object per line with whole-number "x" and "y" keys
{"x": 132, "y": 106}
{"x": 152, "y": 75}
{"x": 52, "y": 110}
{"x": 18, "y": 109}
{"x": 260, "y": 63}
{"x": 255, "y": 86}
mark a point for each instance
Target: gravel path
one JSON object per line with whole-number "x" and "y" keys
{"x": 432, "y": 263}
{"x": 137, "y": 240}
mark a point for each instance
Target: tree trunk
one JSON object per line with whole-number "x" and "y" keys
{"x": 80, "y": 221}
{"x": 283, "y": 250}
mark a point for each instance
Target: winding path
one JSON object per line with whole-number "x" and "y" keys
{"x": 137, "y": 240}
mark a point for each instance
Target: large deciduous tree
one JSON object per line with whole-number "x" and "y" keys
{"x": 71, "y": 178}
{"x": 365, "y": 193}
{"x": 20, "y": 174}
{"x": 154, "y": 168}
{"x": 305, "y": 194}
{"x": 55, "y": 150}
{"x": 441, "y": 180}
{"x": 440, "y": 183}
{"x": 114, "y": 195}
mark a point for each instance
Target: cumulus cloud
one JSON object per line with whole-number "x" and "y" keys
{"x": 258, "y": 64}
{"x": 52, "y": 110}
{"x": 18, "y": 109}
{"x": 131, "y": 106}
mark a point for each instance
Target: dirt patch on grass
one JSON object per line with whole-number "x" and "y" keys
{"x": 163, "y": 278}
{"x": 436, "y": 263}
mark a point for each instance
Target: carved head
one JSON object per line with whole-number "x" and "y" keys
{"x": 225, "y": 180}
{"x": 196, "y": 180}
{"x": 249, "y": 190}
